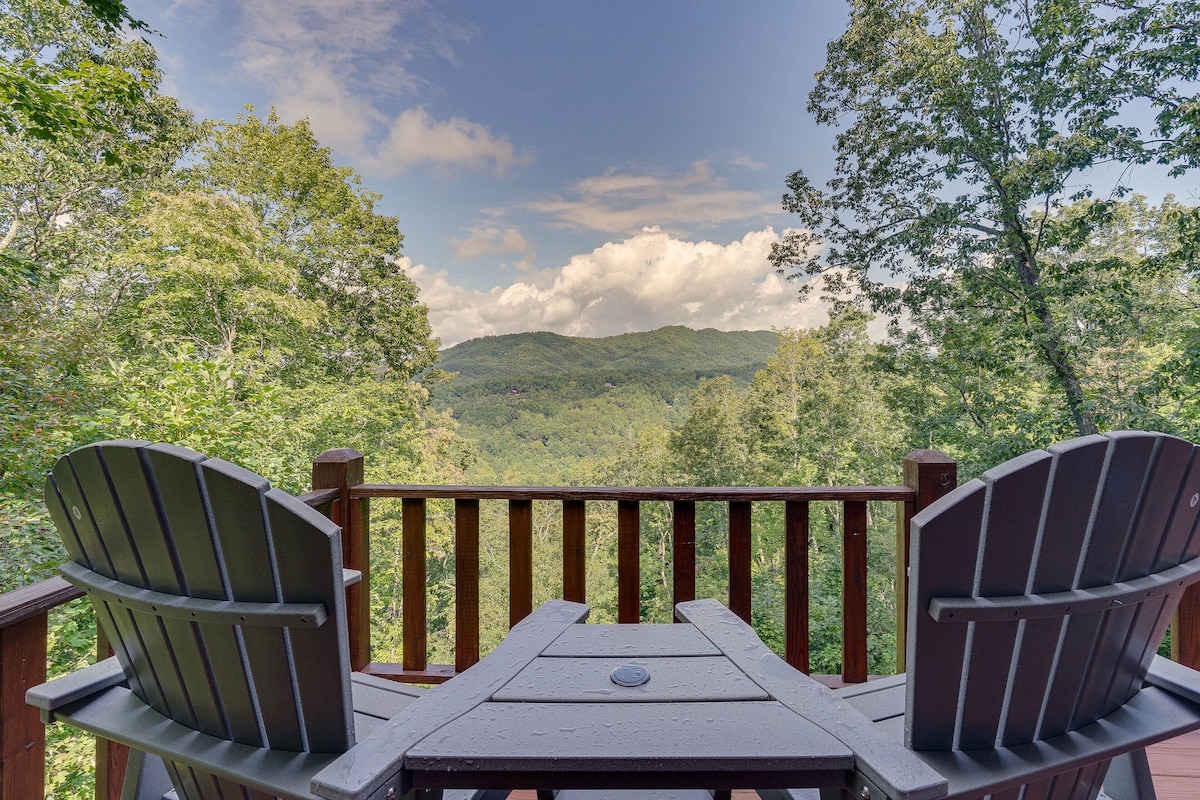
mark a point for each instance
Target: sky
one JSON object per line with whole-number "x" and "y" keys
{"x": 588, "y": 168}
{"x": 584, "y": 168}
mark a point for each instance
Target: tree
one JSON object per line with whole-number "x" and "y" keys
{"x": 1118, "y": 278}
{"x": 967, "y": 123}
{"x": 203, "y": 276}
{"x": 63, "y": 181}
{"x": 316, "y": 219}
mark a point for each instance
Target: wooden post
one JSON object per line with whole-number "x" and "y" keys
{"x": 854, "y": 591}
{"x": 413, "y": 585}
{"x": 23, "y": 627}
{"x": 342, "y": 469}
{"x": 933, "y": 474}
{"x": 22, "y": 735}
{"x": 466, "y": 583}
{"x": 520, "y": 560}
{"x": 740, "y": 560}
{"x": 629, "y": 562}
{"x": 683, "y": 570}
{"x": 796, "y": 584}
{"x": 574, "y": 551}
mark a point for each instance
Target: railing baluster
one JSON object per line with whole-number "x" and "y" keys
{"x": 520, "y": 560}
{"x": 629, "y": 563}
{"x": 739, "y": 559}
{"x": 684, "y": 567}
{"x": 854, "y": 592}
{"x": 466, "y": 583}
{"x": 414, "y": 583}
{"x": 795, "y": 527}
{"x": 574, "y": 551}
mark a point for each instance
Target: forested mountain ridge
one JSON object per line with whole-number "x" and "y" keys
{"x": 673, "y": 349}
{"x": 537, "y": 403}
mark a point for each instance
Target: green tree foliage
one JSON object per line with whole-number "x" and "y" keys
{"x": 963, "y": 125}
{"x": 1119, "y": 284}
{"x": 315, "y": 218}
{"x": 63, "y": 187}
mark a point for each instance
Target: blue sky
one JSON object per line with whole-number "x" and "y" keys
{"x": 588, "y": 168}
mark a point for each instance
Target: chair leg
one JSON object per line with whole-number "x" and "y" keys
{"x": 145, "y": 777}
{"x": 1129, "y": 778}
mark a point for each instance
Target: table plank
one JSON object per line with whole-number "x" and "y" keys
{"x": 557, "y": 738}
{"x": 587, "y": 680}
{"x": 374, "y": 764}
{"x": 631, "y": 641}
{"x": 880, "y": 760}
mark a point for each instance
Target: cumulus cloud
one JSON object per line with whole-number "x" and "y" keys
{"x": 624, "y": 202}
{"x": 644, "y": 282}
{"x": 342, "y": 62}
{"x": 416, "y": 137}
{"x": 489, "y": 241}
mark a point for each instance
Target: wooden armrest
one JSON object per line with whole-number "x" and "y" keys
{"x": 1175, "y": 678}
{"x": 69, "y": 688}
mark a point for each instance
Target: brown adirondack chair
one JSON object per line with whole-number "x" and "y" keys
{"x": 1038, "y": 599}
{"x": 224, "y": 603}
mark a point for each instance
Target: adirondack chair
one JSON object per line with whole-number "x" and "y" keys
{"x": 224, "y": 603}
{"x": 1038, "y": 599}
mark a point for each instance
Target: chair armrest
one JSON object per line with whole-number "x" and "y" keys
{"x": 69, "y": 688}
{"x": 1175, "y": 678}
{"x": 350, "y": 577}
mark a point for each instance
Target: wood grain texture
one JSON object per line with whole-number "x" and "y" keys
{"x": 739, "y": 559}
{"x": 683, "y": 549}
{"x": 637, "y": 493}
{"x": 413, "y": 583}
{"x": 574, "y": 567}
{"x": 22, "y": 736}
{"x": 854, "y": 592}
{"x": 520, "y": 560}
{"x": 796, "y": 584}
{"x": 466, "y": 583}
{"x": 629, "y": 565}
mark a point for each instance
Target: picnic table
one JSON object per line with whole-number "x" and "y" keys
{"x": 698, "y": 705}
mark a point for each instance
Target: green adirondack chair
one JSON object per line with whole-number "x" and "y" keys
{"x": 224, "y": 602}
{"x": 1038, "y": 599}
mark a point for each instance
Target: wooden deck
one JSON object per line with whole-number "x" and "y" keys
{"x": 1176, "y": 767}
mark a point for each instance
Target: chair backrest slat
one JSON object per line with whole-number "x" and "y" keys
{"x": 1008, "y": 536}
{"x": 936, "y": 694}
{"x": 1090, "y": 512}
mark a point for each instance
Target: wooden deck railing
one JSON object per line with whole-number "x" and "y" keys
{"x": 340, "y": 493}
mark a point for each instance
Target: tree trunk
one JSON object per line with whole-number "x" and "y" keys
{"x": 1050, "y": 344}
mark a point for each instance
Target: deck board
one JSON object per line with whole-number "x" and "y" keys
{"x": 1175, "y": 765}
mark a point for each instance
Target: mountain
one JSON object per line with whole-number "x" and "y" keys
{"x": 674, "y": 349}
{"x": 538, "y": 403}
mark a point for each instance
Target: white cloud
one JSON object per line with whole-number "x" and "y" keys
{"x": 490, "y": 241}
{"x": 647, "y": 281}
{"x": 415, "y": 137}
{"x": 744, "y": 160}
{"x": 341, "y": 63}
{"x": 624, "y": 202}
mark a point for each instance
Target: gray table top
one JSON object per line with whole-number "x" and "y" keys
{"x": 718, "y": 711}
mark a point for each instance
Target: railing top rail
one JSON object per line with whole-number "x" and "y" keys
{"x": 637, "y": 493}
{"x": 318, "y": 496}
{"x": 29, "y": 601}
